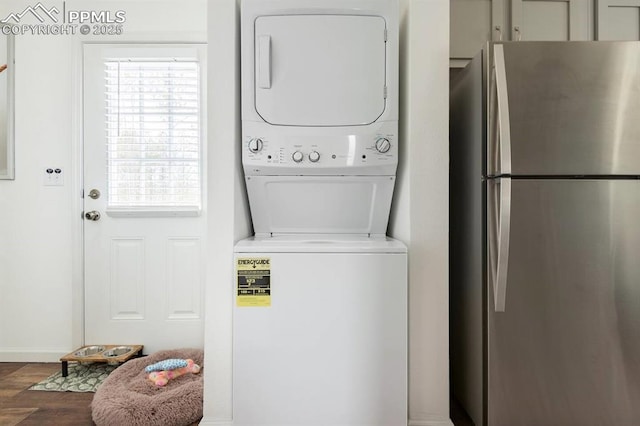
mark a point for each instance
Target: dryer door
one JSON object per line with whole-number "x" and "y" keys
{"x": 320, "y": 70}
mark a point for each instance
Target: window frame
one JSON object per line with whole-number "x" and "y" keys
{"x": 192, "y": 52}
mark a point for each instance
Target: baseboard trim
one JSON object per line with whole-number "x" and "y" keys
{"x": 209, "y": 422}
{"x": 447, "y": 422}
{"x": 31, "y": 355}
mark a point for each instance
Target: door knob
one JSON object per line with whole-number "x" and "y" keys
{"x": 92, "y": 215}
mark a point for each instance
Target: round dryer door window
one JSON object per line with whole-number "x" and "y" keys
{"x": 320, "y": 70}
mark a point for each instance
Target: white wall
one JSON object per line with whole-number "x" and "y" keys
{"x": 231, "y": 222}
{"x": 419, "y": 217}
{"x": 35, "y": 260}
{"x": 421, "y": 211}
{"x": 40, "y": 232}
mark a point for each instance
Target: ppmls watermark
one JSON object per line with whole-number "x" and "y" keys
{"x": 52, "y": 21}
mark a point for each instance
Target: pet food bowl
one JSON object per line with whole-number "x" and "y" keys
{"x": 88, "y": 351}
{"x": 117, "y": 351}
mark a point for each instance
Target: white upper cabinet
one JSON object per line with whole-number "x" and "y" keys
{"x": 474, "y": 22}
{"x": 332, "y": 73}
{"x": 617, "y": 19}
{"x": 549, "y": 20}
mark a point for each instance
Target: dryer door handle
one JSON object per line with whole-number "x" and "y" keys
{"x": 263, "y": 67}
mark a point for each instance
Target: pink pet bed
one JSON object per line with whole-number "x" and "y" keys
{"x": 128, "y": 397}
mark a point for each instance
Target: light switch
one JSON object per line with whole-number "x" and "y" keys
{"x": 53, "y": 176}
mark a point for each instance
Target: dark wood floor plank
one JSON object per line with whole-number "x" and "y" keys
{"x": 13, "y": 416}
{"x": 53, "y": 400}
{"x": 22, "y": 378}
{"x": 22, "y": 407}
{"x": 7, "y": 368}
{"x": 70, "y": 416}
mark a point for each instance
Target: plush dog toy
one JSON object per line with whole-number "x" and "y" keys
{"x": 161, "y": 378}
{"x": 167, "y": 364}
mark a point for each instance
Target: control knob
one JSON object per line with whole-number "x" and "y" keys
{"x": 255, "y": 145}
{"x": 314, "y": 156}
{"x": 297, "y": 156}
{"x": 383, "y": 145}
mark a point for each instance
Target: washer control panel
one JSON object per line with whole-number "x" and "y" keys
{"x": 261, "y": 151}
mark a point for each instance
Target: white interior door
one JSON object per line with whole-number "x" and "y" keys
{"x": 143, "y": 194}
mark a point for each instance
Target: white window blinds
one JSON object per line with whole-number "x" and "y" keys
{"x": 153, "y": 134}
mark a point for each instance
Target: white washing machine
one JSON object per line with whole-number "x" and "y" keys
{"x": 321, "y": 338}
{"x": 320, "y": 310}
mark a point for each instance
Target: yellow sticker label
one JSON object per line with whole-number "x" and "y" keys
{"x": 253, "y": 282}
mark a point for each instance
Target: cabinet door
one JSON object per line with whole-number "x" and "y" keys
{"x": 618, "y": 20}
{"x": 549, "y": 20}
{"x": 474, "y": 23}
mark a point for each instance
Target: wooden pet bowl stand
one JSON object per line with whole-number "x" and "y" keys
{"x": 111, "y": 354}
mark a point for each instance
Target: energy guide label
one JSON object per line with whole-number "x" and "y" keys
{"x": 253, "y": 284}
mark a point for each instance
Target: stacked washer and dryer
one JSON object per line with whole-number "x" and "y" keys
{"x": 320, "y": 316}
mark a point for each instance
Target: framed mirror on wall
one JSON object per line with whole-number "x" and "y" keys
{"x": 7, "y": 94}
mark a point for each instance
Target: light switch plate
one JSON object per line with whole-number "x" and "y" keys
{"x": 53, "y": 176}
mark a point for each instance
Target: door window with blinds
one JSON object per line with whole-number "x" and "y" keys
{"x": 154, "y": 133}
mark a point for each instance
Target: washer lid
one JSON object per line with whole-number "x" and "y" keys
{"x": 320, "y": 70}
{"x": 319, "y": 243}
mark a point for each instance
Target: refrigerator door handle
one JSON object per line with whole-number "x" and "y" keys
{"x": 493, "y": 125}
{"x": 499, "y": 251}
{"x": 504, "y": 135}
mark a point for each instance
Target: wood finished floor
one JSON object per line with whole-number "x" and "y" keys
{"x": 19, "y": 406}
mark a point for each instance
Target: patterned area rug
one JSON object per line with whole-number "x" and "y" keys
{"x": 81, "y": 378}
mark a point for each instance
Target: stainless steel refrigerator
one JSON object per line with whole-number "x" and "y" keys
{"x": 545, "y": 234}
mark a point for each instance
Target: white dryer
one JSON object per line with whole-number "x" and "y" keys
{"x": 320, "y": 114}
